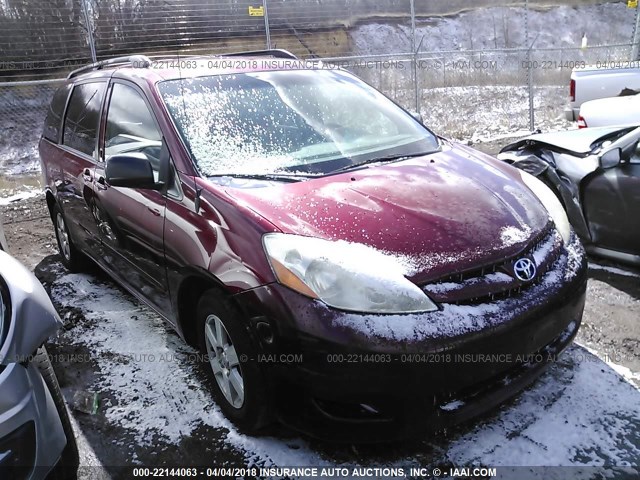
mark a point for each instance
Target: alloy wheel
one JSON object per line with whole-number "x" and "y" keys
{"x": 63, "y": 237}
{"x": 224, "y": 361}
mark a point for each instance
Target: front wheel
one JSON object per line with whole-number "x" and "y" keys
{"x": 237, "y": 383}
{"x": 67, "y": 466}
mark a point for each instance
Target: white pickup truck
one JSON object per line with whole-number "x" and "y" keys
{"x": 605, "y": 79}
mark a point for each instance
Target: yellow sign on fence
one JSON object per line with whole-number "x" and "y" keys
{"x": 259, "y": 11}
{"x": 632, "y": 4}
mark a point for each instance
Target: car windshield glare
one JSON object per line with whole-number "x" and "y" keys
{"x": 296, "y": 121}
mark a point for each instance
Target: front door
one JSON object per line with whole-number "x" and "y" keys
{"x": 130, "y": 220}
{"x": 612, "y": 206}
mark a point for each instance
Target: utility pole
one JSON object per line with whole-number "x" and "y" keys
{"x": 88, "y": 24}
{"x": 266, "y": 24}
{"x": 415, "y": 55}
{"x": 529, "y": 66}
{"x": 635, "y": 51}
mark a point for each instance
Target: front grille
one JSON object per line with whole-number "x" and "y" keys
{"x": 497, "y": 281}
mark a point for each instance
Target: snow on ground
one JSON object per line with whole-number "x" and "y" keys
{"x": 616, "y": 270}
{"x": 487, "y": 113}
{"x": 149, "y": 371}
{"x": 29, "y": 193}
{"x": 581, "y": 412}
{"x": 140, "y": 362}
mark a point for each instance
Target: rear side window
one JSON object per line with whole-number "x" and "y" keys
{"x": 83, "y": 116}
{"x": 53, "y": 122}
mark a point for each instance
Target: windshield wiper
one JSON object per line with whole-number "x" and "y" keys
{"x": 388, "y": 158}
{"x": 274, "y": 177}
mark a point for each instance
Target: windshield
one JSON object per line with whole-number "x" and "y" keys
{"x": 296, "y": 121}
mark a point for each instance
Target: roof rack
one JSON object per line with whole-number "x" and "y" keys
{"x": 136, "y": 61}
{"x": 276, "y": 53}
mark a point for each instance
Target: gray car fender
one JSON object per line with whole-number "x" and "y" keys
{"x": 547, "y": 172}
{"x": 33, "y": 317}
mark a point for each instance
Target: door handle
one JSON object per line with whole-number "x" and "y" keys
{"x": 154, "y": 211}
{"x": 101, "y": 183}
{"x": 86, "y": 175}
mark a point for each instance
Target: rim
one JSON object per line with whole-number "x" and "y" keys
{"x": 63, "y": 237}
{"x": 224, "y": 361}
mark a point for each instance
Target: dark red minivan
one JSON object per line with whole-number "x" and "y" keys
{"x": 343, "y": 268}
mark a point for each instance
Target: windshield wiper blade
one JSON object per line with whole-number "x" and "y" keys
{"x": 388, "y": 158}
{"x": 275, "y": 177}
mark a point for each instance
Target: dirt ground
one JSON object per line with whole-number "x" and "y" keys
{"x": 29, "y": 230}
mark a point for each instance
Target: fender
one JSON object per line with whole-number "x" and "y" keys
{"x": 31, "y": 315}
{"x": 548, "y": 174}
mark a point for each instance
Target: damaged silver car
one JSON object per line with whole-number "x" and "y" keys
{"x": 595, "y": 173}
{"x": 36, "y": 437}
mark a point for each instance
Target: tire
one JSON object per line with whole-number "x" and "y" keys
{"x": 71, "y": 257}
{"x": 222, "y": 331}
{"x": 67, "y": 466}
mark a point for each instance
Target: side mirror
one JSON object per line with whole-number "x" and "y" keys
{"x": 417, "y": 116}
{"x": 611, "y": 158}
{"x": 130, "y": 170}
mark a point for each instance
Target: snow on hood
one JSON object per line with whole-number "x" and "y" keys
{"x": 446, "y": 211}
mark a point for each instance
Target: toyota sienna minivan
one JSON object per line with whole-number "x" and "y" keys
{"x": 342, "y": 268}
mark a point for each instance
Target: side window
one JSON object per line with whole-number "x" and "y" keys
{"x": 131, "y": 126}
{"x": 53, "y": 121}
{"x": 83, "y": 117}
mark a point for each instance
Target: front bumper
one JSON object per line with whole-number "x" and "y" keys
{"x": 358, "y": 378}
{"x": 367, "y": 397}
{"x": 31, "y": 433}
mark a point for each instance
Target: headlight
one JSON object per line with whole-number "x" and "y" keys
{"x": 347, "y": 276}
{"x": 550, "y": 202}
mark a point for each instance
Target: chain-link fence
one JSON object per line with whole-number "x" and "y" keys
{"x": 472, "y": 73}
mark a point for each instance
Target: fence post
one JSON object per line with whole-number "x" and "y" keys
{"x": 415, "y": 55}
{"x": 636, "y": 37}
{"x": 266, "y": 24}
{"x": 88, "y": 24}
{"x": 529, "y": 69}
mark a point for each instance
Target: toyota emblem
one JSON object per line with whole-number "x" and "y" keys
{"x": 524, "y": 269}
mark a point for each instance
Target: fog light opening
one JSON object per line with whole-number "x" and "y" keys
{"x": 352, "y": 411}
{"x": 369, "y": 408}
{"x": 265, "y": 332}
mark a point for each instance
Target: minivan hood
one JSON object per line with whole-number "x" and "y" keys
{"x": 445, "y": 212}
